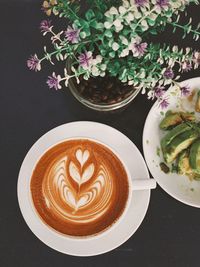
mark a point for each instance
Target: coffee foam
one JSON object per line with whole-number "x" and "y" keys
{"x": 79, "y": 188}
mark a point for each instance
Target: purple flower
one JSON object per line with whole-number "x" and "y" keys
{"x": 185, "y": 90}
{"x": 164, "y": 103}
{"x": 162, "y": 3}
{"x": 168, "y": 74}
{"x": 137, "y": 47}
{"x": 72, "y": 34}
{"x": 85, "y": 60}
{"x": 141, "y": 3}
{"x": 54, "y": 81}
{"x": 45, "y": 26}
{"x": 186, "y": 66}
{"x": 159, "y": 91}
{"x": 33, "y": 63}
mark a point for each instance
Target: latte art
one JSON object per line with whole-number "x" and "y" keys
{"x": 76, "y": 188}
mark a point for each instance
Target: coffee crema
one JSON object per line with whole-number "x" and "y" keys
{"x": 79, "y": 188}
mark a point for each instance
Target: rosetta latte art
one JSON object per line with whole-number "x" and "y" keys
{"x": 79, "y": 188}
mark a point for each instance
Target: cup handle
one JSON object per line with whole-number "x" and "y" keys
{"x": 143, "y": 184}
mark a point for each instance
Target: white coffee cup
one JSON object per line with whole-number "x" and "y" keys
{"x": 137, "y": 203}
{"x": 107, "y": 229}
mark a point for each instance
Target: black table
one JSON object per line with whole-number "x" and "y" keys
{"x": 169, "y": 234}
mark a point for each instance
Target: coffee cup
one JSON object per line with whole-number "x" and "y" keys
{"x": 68, "y": 167}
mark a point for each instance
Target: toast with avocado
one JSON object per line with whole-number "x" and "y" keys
{"x": 179, "y": 143}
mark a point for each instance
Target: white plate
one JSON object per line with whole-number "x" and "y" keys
{"x": 136, "y": 211}
{"x": 179, "y": 187}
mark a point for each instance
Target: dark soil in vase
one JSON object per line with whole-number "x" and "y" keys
{"x": 104, "y": 90}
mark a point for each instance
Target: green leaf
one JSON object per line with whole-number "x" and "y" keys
{"x": 91, "y": 47}
{"x": 151, "y": 22}
{"x": 83, "y": 35}
{"x": 85, "y": 24}
{"x": 99, "y": 16}
{"x": 112, "y": 54}
{"x": 96, "y": 25}
{"x": 108, "y": 33}
{"x": 126, "y": 32}
{"x": 57, "y": 57}
{"x": 90, "y": 14}
{"x": 103, "y": 52}
{"x": 123, "y": 74}
{"x": 153, "y": 31}
{"x": 77, "y": 23}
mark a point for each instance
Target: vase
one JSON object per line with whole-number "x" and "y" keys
{"x": 103, "y": 93}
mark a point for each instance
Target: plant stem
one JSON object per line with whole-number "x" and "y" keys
{"x": 143, "y": 18}
{"x": 183, "y": 27}
{"x": 56, "y": 35}
{"x": 72, "y": 12}
{"x": 53, "y": 53}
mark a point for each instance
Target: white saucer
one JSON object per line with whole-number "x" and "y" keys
{"x": 137, "y": 209}
{"x": 178, "y": 186}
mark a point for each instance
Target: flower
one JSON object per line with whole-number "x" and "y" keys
{"x": 54, "y": 81}
{"x": 137, "y": 47}
{"x": 33, "y": 63}
{"x": 162, "y": 3}
{"x": 185, "y": 90}
{"x": 85, "y": 60}
{"x": 159, "y": 91}
{"x": 141, "y": 3}
{"x": 168, "y": 74}
{"x": 72, "y": 35}
{"x": 164, "y": 103}
{"x": 186, "y": 66}
{"x": 45, "y": 26}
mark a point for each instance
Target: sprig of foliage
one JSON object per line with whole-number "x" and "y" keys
{"x": 68, "y": 9}
{"x": 111, "y": 38}
{"x": 187, "y": 28}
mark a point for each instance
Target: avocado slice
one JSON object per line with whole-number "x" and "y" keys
{"x": 195, "y": 156}
{"x": 178, "y": 144}
{"x": 188, "y": 116}
{"x": 174, "y": 118}
{"x": 170, "y": 120}
{"x": 166, "y": 140}
{"x": 184, "y": 163}
{"x": 197, "y": 106}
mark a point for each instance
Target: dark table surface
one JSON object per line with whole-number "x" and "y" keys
{"x": 170, "y": 232}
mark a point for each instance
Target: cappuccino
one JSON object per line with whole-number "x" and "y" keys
{"x": 79, "y": 188}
